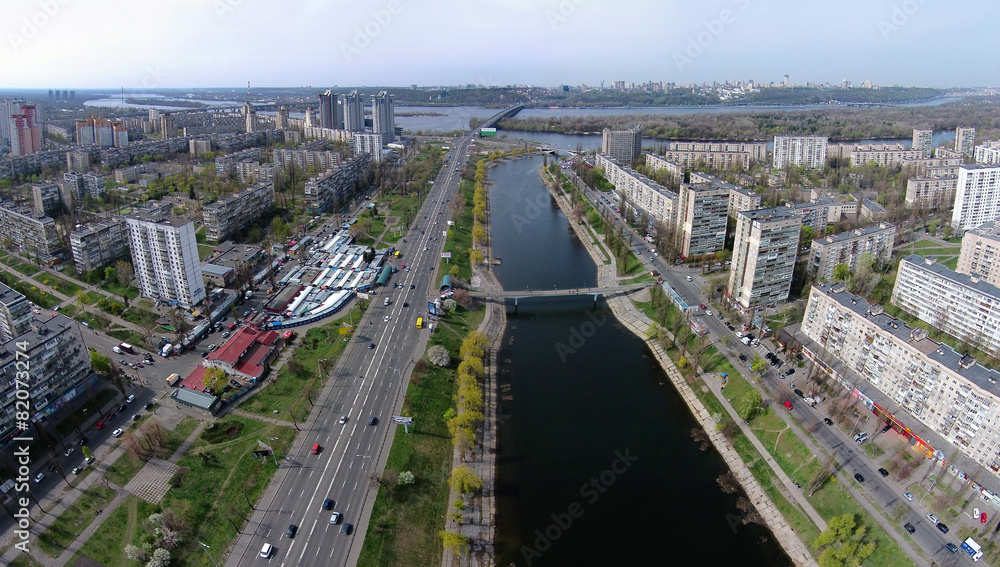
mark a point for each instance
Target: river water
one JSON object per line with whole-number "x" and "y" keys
{"x": 596, "y": 462}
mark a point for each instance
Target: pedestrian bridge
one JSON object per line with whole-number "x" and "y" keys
{"x": 528, "y": 292}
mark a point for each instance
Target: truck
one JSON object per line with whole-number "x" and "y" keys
{"x": 125, "y": 347}
{"x": 972, "y": 549}
{"x": 173, "y": 379}
{"x": 248, "y": 294}
{"x": 166, "y": 350}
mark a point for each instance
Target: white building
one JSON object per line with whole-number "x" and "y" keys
{"x": 923, "y": 140}
{"x": 980, "y": 254}
{"x": 165, "y": 256}
{"x": 767, "y": 242}
{"x": 988, "y": 154}
{"x": 847, "y": 247}
{"x": 977, "y": 196}
{"x": 965, "y": 140}
{"x": 801, "y": 151}
{"x": 643, "y": 193}
{"x": 98, "y": 244}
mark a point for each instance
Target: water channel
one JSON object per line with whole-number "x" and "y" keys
{"x": 596, "y": 459}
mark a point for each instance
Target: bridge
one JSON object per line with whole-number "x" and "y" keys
{"x": 596, "y": 292}
{"x": 506, "y": 113}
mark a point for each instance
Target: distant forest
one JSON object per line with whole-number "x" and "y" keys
{"x": 838, "y": 123}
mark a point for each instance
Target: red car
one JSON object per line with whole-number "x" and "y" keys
{"x": 100, "y": 425}
{"x": 982, "y": 518}
{"x": 788, "y": 404}
{"x": 315, "y": 449}
{"x": 703, "y": 306}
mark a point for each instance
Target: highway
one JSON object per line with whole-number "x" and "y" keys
{"x": 883, "y": 493}
{"x": 366, "y": 382}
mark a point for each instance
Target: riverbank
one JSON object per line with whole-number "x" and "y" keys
{"x": 639, "y": 324}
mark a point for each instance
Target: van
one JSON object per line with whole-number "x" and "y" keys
{"x": 420, "y": 322}
{"x": 745, "y": 340}
{"x": 173, "y": 379}
{"x": 265, "y": 551}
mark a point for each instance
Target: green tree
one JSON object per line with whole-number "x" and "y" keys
{"x": 216, "y": 379}
{"x": 110, "y": 273}
{"x": 844, "y": 544}
{"x": 464, "y": 480}
{"x": 841, "y": 273}
{"x": 456, "y": 542}
{"x": 806, "y": 235}
{"x": 100, "y": 362}
{"x": 748, "y": 404}
{"x": 758, "y": 364}
{"x": 453, "y": 271}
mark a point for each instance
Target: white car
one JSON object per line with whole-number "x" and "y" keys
{"x": 708, "y": 312}
{"x": 690, "y": 279}
{"x": 386, "y": 318}
{"x": 129, "y": 399}
{"x": 933, "y": 518}
{"x": 265, "y": 551}
{"x": 739, "y": 334}
{"x": 117, "y": 433}
{"x": 335, "y": 518}
{"x": 343, "y": 419}
{"x": 39, "y": 477}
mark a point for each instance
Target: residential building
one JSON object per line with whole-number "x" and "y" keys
{"x": 93, "y": 185}
{"x": 326, "y": 192}
{"x": 196, "y": 147}
{"x": 764, "y": 252}
{"x": 623, "y": 146}
{"x": 640, "y": 192}
{"x": 384, "y": 117}
{"x": 78, "y": 161}
{"x": 319, "y": 160}
{"x": 872, "y": 210}
{"x": 319, "y": 133}
{"x": 59, "y": 362}
{"x": 15, "y": 313}
{"x": 226, "y": 164}
{"x": 31, "y": 234}
{"x": 965, "y": 141}
{"x": 930, "y": 192}
{"x": 801, "y": 151}
{"x": 367, "y": 144}
{"x": 819, "y": 214}
{"x": 701, "y": 217}
{"x": 988, "y": 154}
{"x": 658, "y": 163}
{"x": 963, "y": 306}
{"x": 885, "y": 157}
{"x": 8, "y": 108}
{"x": 741, "y": 199}
{"x": 250, "y": 116}
{"x": 237, "y": 212}
{"x": 168, "y": 127}
{"x": 354, "y": 112}
{"x": 977, "y": 196}
{"x": 98, "y": 244}
{"x": 923, "y": 140}
{"x": 328, "y": 110}
{"x": 101, "y": 132}
{"x": 899, "y": 374}
{"x": 848, "y": 247}
{"x": 47, "y": 200}
{"x": 25, "y": 132}
{"x": 165, "y": 256}
{"x": 716, "y": 155}
{"x": 980, "y": 255}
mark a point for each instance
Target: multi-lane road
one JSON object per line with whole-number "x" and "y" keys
{"x": 368, "y": 381}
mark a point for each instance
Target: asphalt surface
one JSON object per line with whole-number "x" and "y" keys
{"x": 367, "y": 382}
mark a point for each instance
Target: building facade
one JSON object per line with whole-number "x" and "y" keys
{"x": 801, "y": 151}
{"x": 370, "y": 144}
{"x": 384, "y": 117}
{"x": 98, "y": 244}
{"x": 320, "y": 160}
{"x": 988, "y": 154}
{"x": 326, "y": 192}
{"x": 230, "y": 215}
{"x": 642, "y": 193}
{"x": 741, "y": 199}
{"x": 980, "y": 255}
{"x": 165, "y": 256}
{"x": 15, "y": 313}
{"x": 354, "y": 112}
{"x": 930, "y": 192}
{"x": 965, "y": 141}
{"x": 977, "y": 196}
{"x": 884, "y": 158}
{"x": 659, "y": 163}
{"x": 623, "y": 146}
{"x": 848, "y": 247}
{"x": 923, "y": 140}
{"x": 702, "y": 215}
{"x": 31, "y": 233}
{"x": 764, "y": 252}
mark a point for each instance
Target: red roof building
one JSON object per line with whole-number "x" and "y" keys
{"x": 248, "y": 353}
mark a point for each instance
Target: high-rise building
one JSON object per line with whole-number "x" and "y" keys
{"x": 168, "y": 129}
{"x": 384, "y": 117}
{"x": 367, "y": 144}
{"x": 641, "y": 194}
{"x": 623, "y": 146}
{"x": 101, "y": 132}
{"x": 165, "y": 256}
{"x": 329, "y": 111}
{"x": 46, "y": 198}
{"x": 327, "y": 192}
{"x": 848, "y": 247}
{"x": 8, "y": 108}
{"x": 281, "y": 120}
{"x": 923, "y": 140}
{"x": 977, "y": 196}
{"x": 15, "y": 313}
{"x": 250, "y": 116}
{"x": 801, "y": 151}
{"x": 78, "y": 161}
{"x": 234, "y": 213}
{"x": 32, "y": 234}
{"x": 702, "y": 216}
{"x": 980, "y": 255}
{"x": 965, "y": 140}
{"x": 98, "y": 244}
{"x": 310, "y": 120}
{"x": 354, "y": 112}
{"x": 767, "y": 242}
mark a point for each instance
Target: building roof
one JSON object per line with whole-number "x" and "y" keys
{"x": 214, "y": 270}
{"x": 853, "y": 234}
{"x": 196, "y": 379}
{"x": 195, "y": 398}
{"x": 872, "y": 205}
{"x": 772, "y": 214}
{"x": 246, "y": 351}
{"x": 989, "y": 231}
{"x": 970, "y": 281}
{"x": 9, "y": 296}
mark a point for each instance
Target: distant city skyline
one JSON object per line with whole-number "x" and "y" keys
{"x": 225, "y": 43}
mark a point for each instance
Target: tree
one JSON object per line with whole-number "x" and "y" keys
{"x": 476, "y": 256}
{"x": 844, "y": 544}
{"x": 124, "y": 273}
{"x": 841, "y": 273}
{"x": 758, "y": 364}
{"x": 749, "y": 404}
{"x": 474, "y": 345}
{"x": 464, "y": 480}
{"x": 449, "y": 304}
{"x": 216, "y": 379}
{"x": 819, "y": 477}
{"x": 100, "y": 362}
{"x": 110, "y": 273}
{"x": 438, "y": 355}
{"x": 406, "y": 478}
{"x": 454, "y": 541}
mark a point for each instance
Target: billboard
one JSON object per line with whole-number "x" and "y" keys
{"x": 400, "y": 420}
{"x": 446, "y": 254}
{"x": 487, "y": 131}
{"x": 432, "y": 308}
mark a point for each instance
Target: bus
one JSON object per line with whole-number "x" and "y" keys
{"x": 420, "y": 322}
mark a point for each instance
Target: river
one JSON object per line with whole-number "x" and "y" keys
{"x": 596, "y": 463}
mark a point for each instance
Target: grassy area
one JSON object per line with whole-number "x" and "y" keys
{"x": 116, "y": 289}
{"x": 25, "y": 560}
{"x": 404, "y": 524}
{"x": 59, "y": 284}
{"x": 95, "y": 321}
{"x": 135, "y": 315}
{"x": 459, "y": 240}
{"x": 68, "y": 526}
{"x": 291, "y": 393}
{"x": 643, "y": 278}
{"x": 951, "y": 264}
{"x": 204, "y": 251}
{"x": 123, "y": 469}
{"x": 120, "y": 528}
{"x": 131, "y": 337}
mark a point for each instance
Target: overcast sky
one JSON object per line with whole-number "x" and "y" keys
{"x": 203, "y": 43}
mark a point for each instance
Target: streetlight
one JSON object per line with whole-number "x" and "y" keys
{"x": 206, "y": 548}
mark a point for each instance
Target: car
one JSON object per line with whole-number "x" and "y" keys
{"x": 76, "y": 470}
{"x": 982, "y": 518}
{"x": 111, "y": 416}
{"x": 148, "y": 406}
{"x": 138, "y": 365}
{"x": 883, "y": 472}
{"x": 908, "y": 496}
{"x": 290, "y": 532}
{"x": 212, "y": 347}
{"x": 335, "y": 518}
{"x": 39, "y": 477}
{"x": 371, "y": 346}
{"x": 117, "y": 433}
{"x": 69, "y": 452}
{"x": 328, "y": 504}
{"x": 798, "y": 393}
{"x": 859, "y": 478}
{"x": 425, "y": 249}
{"x": 373, "y": 420}
{"x": 909, "y": 527}
{"x": 83, "y": 441}
{"x": 690, "y": 279}
{"x": 739, "y": 334}
{"x": 346, "y": 529}
{"x": 789, "y": 372}
{"x": 386, "y": 319}
{"x": 205, "y": 354}
{"x": 886, "y": 428}
{"x": 135, "y": 417}
{"x": 943, "y": 528}
{"x": 343, "y": 419}
{"x": 413, "y": 286}
{"x": 99, "y": 426}
{"x": 731, "y": 327}
{"x": 788, "y": 404}
{"x": 405, "y": 304}
{"x": 934, "y": 519}
{"x": 265, "y": 551}
{"x": 743, "y": 358}
{"x": 122, "y": 362}
{"x": 708, "y": 312}
{"x": 88, "y": 460}
{"x": 315, "y": 449}
{"x": 121, "y": 407}
{"x": 129, "y": 399}
{"x": 225, "y": 334}
{"x": 951, "y": 547}
{"x": 827, "y": 421}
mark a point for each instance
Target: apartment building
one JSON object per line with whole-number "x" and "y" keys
{"x": 646, "y": 195}
{"x": 923, "y": 140}
{"x": 53, "y": 348}
{"x": 977, "y": 196}
{"x": 715, "y": 155}
{"x": 756, "y": 151}
{"x": 230, "y": 215}
{"x": 741, "y": 199}
{"x": 46, "y": 198}
{"x": 370, "y": 144}
{"x": 848, "y": 247}
{"x": 701, "y": 215}
{"x": 226, "y": 164}
{"x": 885, "y": 157}
{"x": 819, "y": 214}
{"x": 354, "y": 112}
{"x": 253, "y": 172}
{"x": 965, "y": 141}
{"x": 872, "y": 210}
{"x": 78, "y": 162}
{"x": 963, "y": 306}
{"x": 15, "y": 313}
{"x": 767, "y": 242}
{"x": 930, "y": 192}
{"x": 623, "y": 146}
{"x": 304, "y": 159}
{"x": 658, "y": 163}
{"x": 98, "y": 244}
{"x": 980, "y": 255}
{"x": 31, "y": 234}
{"x": 326, "y": 192}
{"x": 988, "y": 154}
{"x": 165, "y": 255}
{"x": 900, "y": 374}
{"x": 384, "y": 117}
{"x": 119, "y": 156}
{"x": 801, "y": 151}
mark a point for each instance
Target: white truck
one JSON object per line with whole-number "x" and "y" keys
{"x": 972, "y": 549}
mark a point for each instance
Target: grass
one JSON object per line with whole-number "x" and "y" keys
{"x": 95, "y": 321}
{"x": 75, "y": 419}
{"x": 129, "y": 336}
{"x": 290, "y": 393}
{"x": 204, "y": 251}
{"x": 126, "y": 467}
{"x": 35, "y": 295}
{"x": 404, "y": 525}
{"x": 116, "y": 289}
{"x": 135, "y": 315}
{"x": 68, "y": 526}
{"x": 59, "y": 284}
{"x": 120, "y": 528}
{"x": 951, "y": 264}
{"x": 24, "y": 560}
{"x": 459, "y": 240}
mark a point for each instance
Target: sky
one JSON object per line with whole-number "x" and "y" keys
{"x": 80, "y": 44}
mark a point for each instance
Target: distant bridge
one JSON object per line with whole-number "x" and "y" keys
{"x": 506, "y": 113}
{"x": 528, "y": 293}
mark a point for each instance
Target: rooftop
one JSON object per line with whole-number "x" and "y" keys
{"x": 967, "y": 280}
{"x": 9, "y": 296}
{"x": 990, "y": 230}
{"x": 852, "y": 234}
{"x": 772, "y": 214}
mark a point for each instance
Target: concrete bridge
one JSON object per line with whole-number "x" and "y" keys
{"x": 505, "y": 113}
{"x": 529, "y": 293}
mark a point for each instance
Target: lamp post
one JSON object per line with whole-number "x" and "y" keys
{"x": 206, "y": 548}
